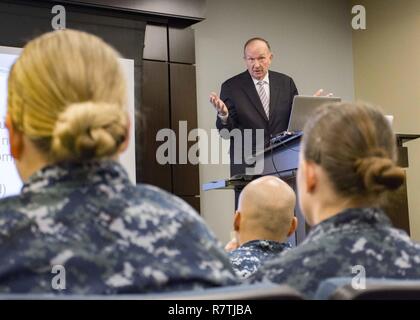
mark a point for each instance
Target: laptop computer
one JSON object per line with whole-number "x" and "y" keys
{"x": 390, "y": 119}
{"x": 302, "y": 108}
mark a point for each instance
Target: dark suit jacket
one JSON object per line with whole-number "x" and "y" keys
{"x": 246, "y": 111}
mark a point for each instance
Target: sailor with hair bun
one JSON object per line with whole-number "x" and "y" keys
{"x": 78, "y": 213}
{"x": 347, "y": 168}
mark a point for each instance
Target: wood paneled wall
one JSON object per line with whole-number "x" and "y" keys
{"x": 168, "y": 97}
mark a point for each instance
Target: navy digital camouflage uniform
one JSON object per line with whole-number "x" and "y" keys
{"x": 354, "y": 237}
{"x": 247, "y": 258}
{"x": 110, "y": 235}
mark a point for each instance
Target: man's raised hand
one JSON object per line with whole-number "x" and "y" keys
{"x": 218, "y": 104}
{"x": 320, "y": 93}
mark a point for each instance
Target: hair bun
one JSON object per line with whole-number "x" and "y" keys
{"x": 89, "y": 130}
{"x": 379, "y": 173}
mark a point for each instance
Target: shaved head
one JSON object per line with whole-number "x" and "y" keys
{"x": 267, "y": 207}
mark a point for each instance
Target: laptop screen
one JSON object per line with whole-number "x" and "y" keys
{"x": 302, "y": 108}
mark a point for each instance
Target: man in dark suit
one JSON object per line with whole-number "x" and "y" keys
{"x": 255, "y": 99}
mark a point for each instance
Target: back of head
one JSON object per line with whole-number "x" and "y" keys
{"x": 356, "y": 147}
{"x": 267, "y": 208}
{"x": 67, "y": 94}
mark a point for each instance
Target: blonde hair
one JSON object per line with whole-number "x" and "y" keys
{"x": 355, "y": 145}
{"x": 67, "y": 93}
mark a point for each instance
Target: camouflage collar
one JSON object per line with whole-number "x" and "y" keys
{"x": 74, "y": 174}
{"x": 267, "y": 245}
{"x": 351, "y": 219}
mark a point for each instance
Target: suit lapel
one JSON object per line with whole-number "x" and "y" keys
{"x": 249, "y": 88}
{"x": 274, "y": 93}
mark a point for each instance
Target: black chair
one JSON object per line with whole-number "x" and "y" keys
{"x": 376, "y": 289}
{"x": 260, "y": 291}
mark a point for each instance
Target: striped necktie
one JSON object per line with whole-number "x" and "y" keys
{"x": 263, "y": 97}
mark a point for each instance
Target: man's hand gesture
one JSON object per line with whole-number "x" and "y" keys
{"x": 218, "y": 104}
{"x": 320, "y": 93}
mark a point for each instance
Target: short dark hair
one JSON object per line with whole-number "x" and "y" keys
{"x": 257, "y": 39}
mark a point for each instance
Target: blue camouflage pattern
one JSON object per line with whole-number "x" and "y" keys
{"x": 111, "y": 236}
{"x": 248, "y": 257}
{"x": 355, "y": 237}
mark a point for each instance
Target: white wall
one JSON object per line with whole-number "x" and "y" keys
{"x": 386, "y": 73}
{"x": 311, "y": 41}
{"x": 386, "y": 60}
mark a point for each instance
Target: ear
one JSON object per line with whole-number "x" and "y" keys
{"x": 237, "y": 221}
{"x": 16, "y": 139}
{"x": 293, "y": 226}
{"x": 310, "y": 176}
